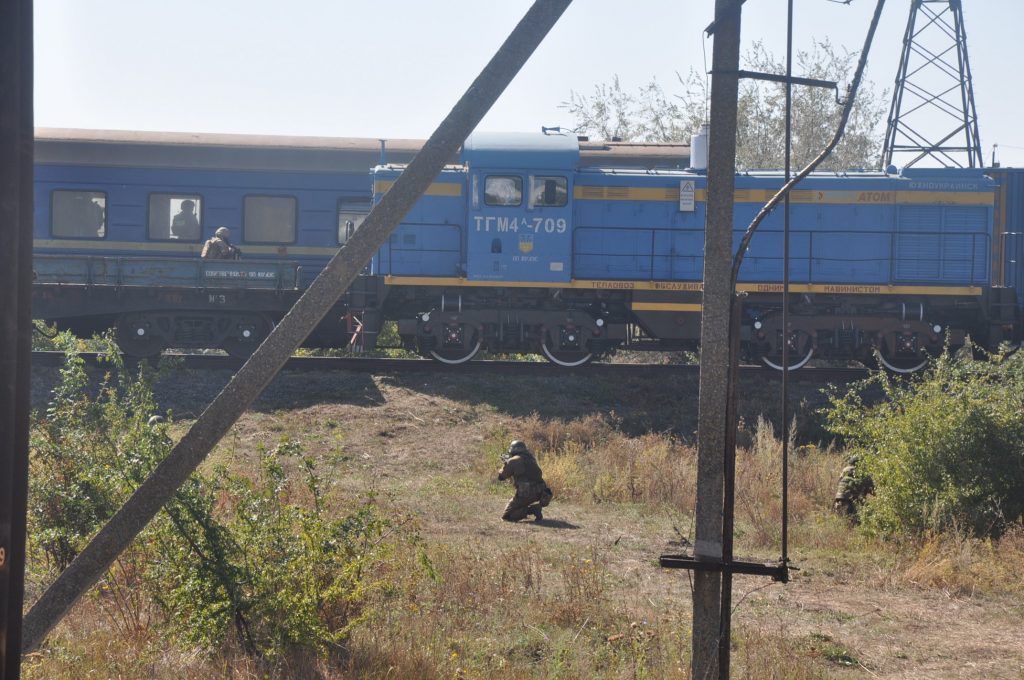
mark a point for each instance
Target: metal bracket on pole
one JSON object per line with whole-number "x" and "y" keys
{"x": 777, "y": 570}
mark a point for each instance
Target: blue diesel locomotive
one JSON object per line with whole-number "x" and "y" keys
{"x": 526, "y": 243}
{"x": 521, "y": 249}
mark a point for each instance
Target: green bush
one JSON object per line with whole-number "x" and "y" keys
{"x": 945, "y": 450}
{"x": 234, "y": 563}
{"x": 89, "y": 449}
{"x": 273, "y": 576}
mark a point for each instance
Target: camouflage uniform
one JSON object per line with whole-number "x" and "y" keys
{"x": 218, "y": 247}
{"x": 532, "y": 493}
{"x": 852, "y": 489}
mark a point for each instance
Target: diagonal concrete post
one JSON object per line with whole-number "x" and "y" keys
{"x": 261, "y": 368}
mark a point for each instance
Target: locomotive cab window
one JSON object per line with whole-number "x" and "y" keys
{"x": 550, "y": 192}
{"x": 503, "y": 190}
{"x": 175, "y": 217}
{"x": 351, "y": 213}
{"x": 269, "y": 219}
{"x": 78, "y": 214}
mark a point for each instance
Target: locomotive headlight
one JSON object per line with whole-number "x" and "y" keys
{"x": 140, "y": 332}
{"x": 425, "y": 317}
{"x": 937, "y": 328}
{"x": 757, "y": 325}
{"x": 599, "y": 322}
{"x": 247, "y": 334}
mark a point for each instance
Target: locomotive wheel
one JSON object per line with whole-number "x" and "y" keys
{"x": 136, "y": 339}
{"x": 459, "y": 343}
{"x": 899, "y": 362}
{"x": 455, "y": 356}
{"x": 793, "y": 365}
{"x": 902, "y": 365}
{"x": 798, "y": 357}
{"x": 252, "y": 331}
{"x": 568, "y": 359}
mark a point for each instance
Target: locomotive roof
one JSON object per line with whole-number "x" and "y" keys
{"x": 555, "y": 151}
{"x": 298, "y": 153}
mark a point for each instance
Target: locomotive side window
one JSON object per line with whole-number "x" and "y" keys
{"x": 503, "y": 190}
{"x": 549, "y": 192}
{"x": 175, "y": 216}
{"x": 269, "y": 219}
{"x": 78, "y": 214}
{"x": 351, "y": 213}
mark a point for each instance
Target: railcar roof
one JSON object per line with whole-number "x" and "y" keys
{"x": 298, "y": 153}
{"x": 216, "y": 151}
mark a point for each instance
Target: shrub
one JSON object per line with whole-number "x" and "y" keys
{"x": 945, "y": 450}
{"x": 88, "y": 451}
{"x": 232, "y": 562}
{"x": 241, "y": 563}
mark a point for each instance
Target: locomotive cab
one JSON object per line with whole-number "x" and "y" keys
{"x": 519, "y": 210}
{"x": 494, "y": 254}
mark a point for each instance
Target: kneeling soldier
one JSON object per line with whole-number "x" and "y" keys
{"x": 532, "y": 493}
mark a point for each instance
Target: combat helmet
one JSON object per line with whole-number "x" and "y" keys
{"x": 222, "y": 232}
{"x": 516, "y": 447}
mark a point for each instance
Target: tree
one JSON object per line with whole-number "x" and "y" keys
{"x": 653, "y": 115}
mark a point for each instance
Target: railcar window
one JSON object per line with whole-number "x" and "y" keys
{"x": 79, "y": 214}
{"x": 503, "y": 190}
{"x": 351, "y": 213}
{"x": 549, "y": 191}
{"x": 269, "y": 219}
{"x": 175, "y": 216}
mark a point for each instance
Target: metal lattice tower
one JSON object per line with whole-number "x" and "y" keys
{"x": 933, "y": 114}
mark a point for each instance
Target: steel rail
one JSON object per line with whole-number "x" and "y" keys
{"x": 216, "y": 362}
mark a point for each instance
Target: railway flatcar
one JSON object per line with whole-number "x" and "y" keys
{"x": 520, "y": 248}
{"x": 120, "y": 219}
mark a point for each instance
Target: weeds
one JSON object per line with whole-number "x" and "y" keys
{"x": 232, "y": 562}
{"x": 945, "y": 451}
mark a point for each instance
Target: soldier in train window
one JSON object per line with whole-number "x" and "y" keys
{"x": 503, "y": 190}
{"x": 185, "y": 225}
{"x": 175, "y": 217}
{"x": 79, "y": 214}
{"x": 351, "y": 214}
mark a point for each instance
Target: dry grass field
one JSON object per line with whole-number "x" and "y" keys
{"x": 578, "y": 595}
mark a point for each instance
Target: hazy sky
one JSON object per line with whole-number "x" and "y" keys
{"x": 394, "y": 68}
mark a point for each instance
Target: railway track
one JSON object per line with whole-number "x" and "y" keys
{"x": 214, "y": 362}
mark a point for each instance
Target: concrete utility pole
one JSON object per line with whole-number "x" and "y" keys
{"x": 714, "y": 337}
{"x": 16, "y": 133}
{"x": 328, "y": 287}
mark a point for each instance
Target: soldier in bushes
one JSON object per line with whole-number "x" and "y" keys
{"x": 854, "y": 486}
{"x": 532, "y": 493}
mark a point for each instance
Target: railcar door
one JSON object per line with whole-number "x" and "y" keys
{"x": 519, "y": 226}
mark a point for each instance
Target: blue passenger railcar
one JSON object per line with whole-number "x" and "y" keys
{"x": 520, "y": 248}
{"x": 121, "y": 218}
